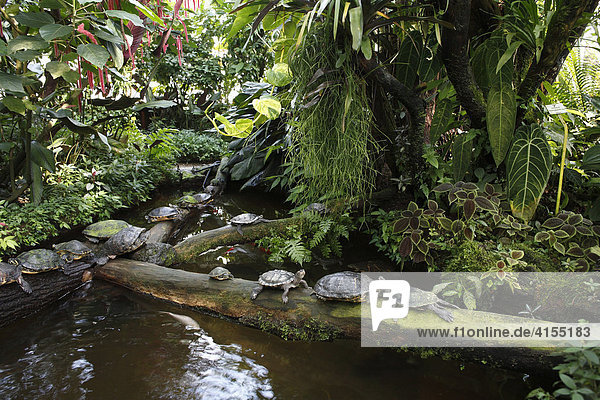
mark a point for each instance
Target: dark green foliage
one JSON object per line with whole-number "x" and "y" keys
{"x": 75, "y": 196}
{"x": 470, "y": 256}
{"x": 314, "y": 235}
{"x": 195, "y": 147}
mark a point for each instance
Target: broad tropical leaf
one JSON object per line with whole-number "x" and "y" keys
{"x": 409, "y": 58}
{"x": 527, "y": 168}
{"x": 501, "y": 111}
{"x": 462, "y": 148}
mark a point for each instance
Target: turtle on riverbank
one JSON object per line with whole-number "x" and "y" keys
{"x": 104, "y": 229}
{"x": 340, "y": 286}
{"x": 246, "y": 219}
{"x": 423, "y": 300}
{"x": 12, "y": 273}
{"x": 280, "y": 279}
{"x": 39, "y": 260}
{"x": 163, "y": 214}
{"x": 220, "y": 274}
{"x": 72, "y": 250}
{"x": 123, "y": 242}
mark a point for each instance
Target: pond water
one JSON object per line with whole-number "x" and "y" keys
{"x": 104, "y": 342}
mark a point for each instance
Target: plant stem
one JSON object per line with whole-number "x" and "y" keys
{"x": 562, "y": 163}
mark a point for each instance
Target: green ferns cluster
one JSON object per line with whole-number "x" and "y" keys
{"x": 331, "y": 141}
{"x": 313, "y": 235}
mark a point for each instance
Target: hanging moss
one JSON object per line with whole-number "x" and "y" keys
{"x": 332, "y": 146}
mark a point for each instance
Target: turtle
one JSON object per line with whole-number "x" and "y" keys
{"x": 163, "y": 214}
{"x": 220, "y": 274}
{"x": 124, "y": 241}
{"x": 188, "y": 201}
{"x": 340, "y": 286}
{"x": 246, "y": 219}
{"x": 421, "y": 299}
{"x": 203, "y": 198}
{"x": 12, "y": 273}
{"x": 38, "y": 260}
{"x": 280, "y": 279}
{"x": 72, "y": 250}
{"x": 104, "y": 229}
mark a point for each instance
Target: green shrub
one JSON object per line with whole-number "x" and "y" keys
{"x": 197, "y": 147}
{"x": 78, "y": 195}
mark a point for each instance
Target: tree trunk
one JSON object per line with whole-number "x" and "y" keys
{"x": 304, "y": 317}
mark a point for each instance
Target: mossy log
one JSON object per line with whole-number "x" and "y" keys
{"x": 160, "y": 232}
{"x": 304, "y": 317}
{"x": 228, "y": 235}
{"x": 47, "y": 287}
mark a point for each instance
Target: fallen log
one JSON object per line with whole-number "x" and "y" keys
{"x": 227, "y": 235}
{"x": 304, "y": 317}
{"x": 48, "y": 287}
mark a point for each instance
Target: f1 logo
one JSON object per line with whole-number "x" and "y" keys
{"x": 389, "y": 300}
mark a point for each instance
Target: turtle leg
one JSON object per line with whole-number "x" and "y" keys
{"x": 239, "y": 229}
{"x": 24, "y": 285}
{"x": 284, "y": 296}
{"x": 305, "y": 286}
{"x": 441, "y": 312}
{"x": 256, "y": 292}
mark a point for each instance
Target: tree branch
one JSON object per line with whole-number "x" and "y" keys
{"x": 562, "y": 33}
{"x": 455, "y": 54}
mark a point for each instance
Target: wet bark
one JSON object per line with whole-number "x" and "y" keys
{"x": 564, "y": 30}
{"x": 304, "y": 317}
{"x": 47, "y": 288}
{"x": 455, "y": 54}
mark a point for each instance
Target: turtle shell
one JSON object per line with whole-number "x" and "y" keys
{"x": 202, "y": 197}
{"x": 104, "y": 229}
{"x": 38, "y": 260}
{"x": 187, "y": 201}
{"x": 342, "y": 286}
{"x": 421, "y": 298}
{"x": 220, "y": 274}
{"x": 245, "y": 219}
{"x": 9, "y": 273}
{"x": 73, "y": 249}
{"x": 162, "y": 214}
{"x": 276, "y": 277}
{"x": 126, "y": 240}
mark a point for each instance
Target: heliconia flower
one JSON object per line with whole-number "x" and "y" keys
{"x": 90, "y": 77}
{"x": 81, "y": 29}
{"x": 176, "y": 8}
{"x": 101, "y": 79}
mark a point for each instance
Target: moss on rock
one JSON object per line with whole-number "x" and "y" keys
{"x": 470, "y": 256}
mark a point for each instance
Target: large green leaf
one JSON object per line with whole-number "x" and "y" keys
{"x": 279, "y": 75}
{"x": 53, "y": 31}
{"x": 95, "y": 54}
{"x": 36, "y": 183}
{"x": 409, "y": 58}
{"x": 25, "y": 42}
{"x": 155, "y": 104}
{"x": 501, "y": 111}
{"x": 34, "y": 19}
{"x": 441, "y": 119}
{"x": 134, "y": 19}
{"x": 462, "y": 149}
{"x": 11, "y": 83}
{"x": 14, "y": 104}
{"x": 267, "y": 106}
{"x": 42, "y": 156}
{"x": 57, "y": 69}
{"x": 528, "y": 166}
{"x": 591, "y": 159}
{"x": 356, "y": 26}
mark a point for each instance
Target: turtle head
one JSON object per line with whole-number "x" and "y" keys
{"x": 300, "y": 274}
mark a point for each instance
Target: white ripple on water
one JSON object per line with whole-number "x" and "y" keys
{"x": 218, "y": 372}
